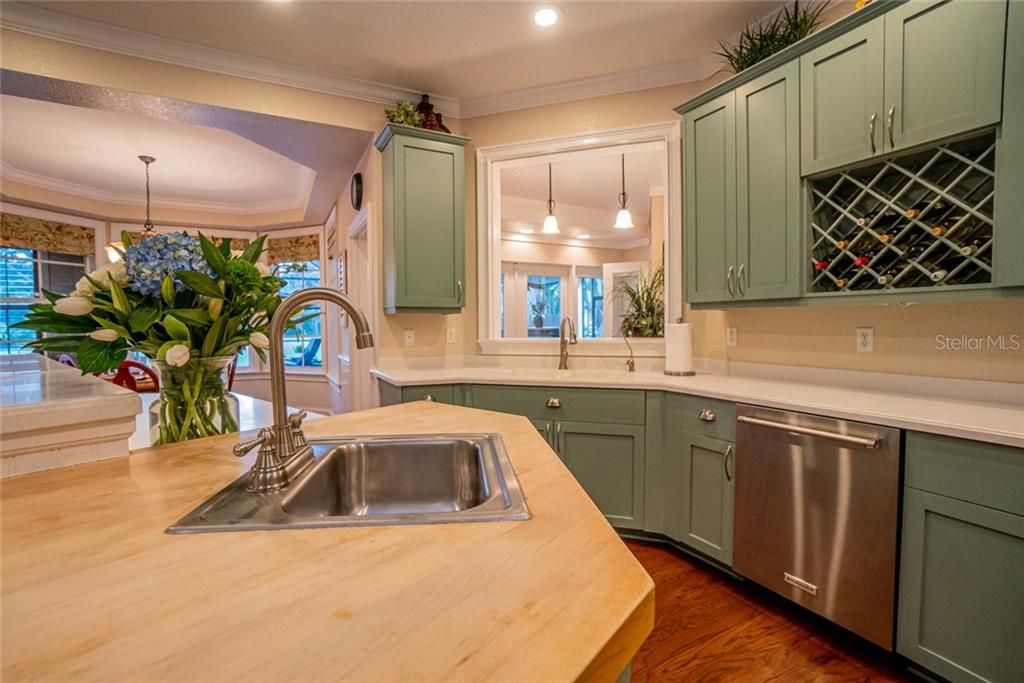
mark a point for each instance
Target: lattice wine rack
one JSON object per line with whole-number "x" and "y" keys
{"x": 919, "y": 221}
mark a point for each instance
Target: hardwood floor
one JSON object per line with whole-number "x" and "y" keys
{"x": 711, "y": 627}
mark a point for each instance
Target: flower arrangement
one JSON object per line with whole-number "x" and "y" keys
{"x": 187, "y": 303}
{"x": 646, "y": 314}
{"x": 769, "y": 36}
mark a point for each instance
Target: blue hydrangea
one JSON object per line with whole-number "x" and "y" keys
{"x": 152, "y": 259}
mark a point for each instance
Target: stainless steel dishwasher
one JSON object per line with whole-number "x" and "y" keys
{"x": 817, "y": 514}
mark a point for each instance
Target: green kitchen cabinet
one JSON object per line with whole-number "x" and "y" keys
{"x": 706, "y": 485}
{"x": 841, "y": 94}
{"x": 1008, "y": 259}
{"x": 442, "y": 393}
{"x": 546, "y": 429}
{"x": 423, "y": 215}
{"x": 608, "y": 462}
{"x": 709, "y": 177}
{"x": 961, "y": 604}
{"x": 943, "y": 69}
{"x": 768, "y": 217}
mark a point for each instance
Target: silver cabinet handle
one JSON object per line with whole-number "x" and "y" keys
{"x": 739, "y": 280}
{"x": 729, "y": 274}
{"x": 889, "y": 119}
{"x": 868, "y": 442}
{"x": 459, "y": 283}
{"x": 871, "y": 130}
{"x": 728, "y": 456}
{"x": 429, "y": 397}
{"x": 547, "y": 432}
{"x": 707, "y": 415}
{"x": 558, "y": 437}
{"x": 554, "y": 403}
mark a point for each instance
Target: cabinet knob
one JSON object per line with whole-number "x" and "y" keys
{"x": 429, "y": 397}
{"x": 707, "y": 415}
{"x": 554, "y": 403}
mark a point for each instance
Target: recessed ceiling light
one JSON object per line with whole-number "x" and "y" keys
{"x": 526, "y": 231}
{"x": 584, "y": 236}
{"x": 546, "y": 15}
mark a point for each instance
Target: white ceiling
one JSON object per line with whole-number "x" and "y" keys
{"x": 94, "y": 154}
{"x": 586, "y": 189}
{"x": 464, "y": 50}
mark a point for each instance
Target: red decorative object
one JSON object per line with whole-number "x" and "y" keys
{"x": 820, "y": 265}
{"x": 861, "y": 261}
{"x": 134, "y": 375}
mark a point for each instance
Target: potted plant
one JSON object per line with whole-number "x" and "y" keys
{"x": 538, "y": 306}
{"x": 768, "y": 36}
{"x": 187, "y": 304}
{"x": 646, "y": 315}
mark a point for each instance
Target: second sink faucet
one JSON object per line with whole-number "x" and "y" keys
{"x": 566, "y": 336}
{"x": 283, "y": 446}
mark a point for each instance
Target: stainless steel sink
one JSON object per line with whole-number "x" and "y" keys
{"x": 375, "y": 481}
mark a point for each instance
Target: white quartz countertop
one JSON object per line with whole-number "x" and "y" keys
{"x": 1001, "y": 423}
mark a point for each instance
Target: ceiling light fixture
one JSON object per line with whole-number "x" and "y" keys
{"x": 115, "y": 250}
{"x": 550, "y": 222}
{"x": 623, "y": 221}
{"x": 525, "y": 231}
{"x": 546, "y": 16}
{"x": 584, "y": 236}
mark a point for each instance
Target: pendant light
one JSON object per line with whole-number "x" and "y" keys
{"x": 550, "y": 222}
{"x": 623, "y": 221}
{"x": 115, "y": 250}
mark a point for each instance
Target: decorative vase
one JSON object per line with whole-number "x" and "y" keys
{"x": 194, "y": 401}
{"x": 538, "y": 321}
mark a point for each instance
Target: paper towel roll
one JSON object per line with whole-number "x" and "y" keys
{"x": 679, "y": 349}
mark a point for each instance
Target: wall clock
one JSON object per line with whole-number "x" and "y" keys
{"x": 357, "y": 191}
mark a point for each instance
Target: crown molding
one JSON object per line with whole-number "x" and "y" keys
{"x": 88, "y": 33}
{"x": 303, "y": 190}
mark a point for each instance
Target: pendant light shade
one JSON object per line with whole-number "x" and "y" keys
{"x": 550, "y": 222}
{"x": 623, "y": 220}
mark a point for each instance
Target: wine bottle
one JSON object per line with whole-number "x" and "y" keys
{"x": 887, "y": 215}
{"x": 917, "y": 209}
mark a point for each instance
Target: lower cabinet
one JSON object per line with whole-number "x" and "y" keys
{"x": 546, "y": 429}
{"x": 706, "y": 496}
{"x": 608, "y": 462}
{"x": 961, "y": 607}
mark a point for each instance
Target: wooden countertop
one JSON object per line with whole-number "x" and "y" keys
{"x": 94, "y": 590}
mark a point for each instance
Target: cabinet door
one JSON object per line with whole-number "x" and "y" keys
{"x": 608, "y": 462}
{"x": 709, "y": 147}
{"x": 943, "y": 69}
{"x": 768, "y": 225}
{"x": 546, "y": 429}
{"x": 961, "y": 607}
{"x": 442, "y": 393}
{"x": 429, "y": 251}
{"x": 705, "y": 494}
{"x": 1008, "y": 257}
{"x": 841, "y": 90}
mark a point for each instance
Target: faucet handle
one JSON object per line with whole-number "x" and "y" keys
{"x": 263, "y": 437}
{"x": 295, "y": 425}
{"x": 296, "y": 418}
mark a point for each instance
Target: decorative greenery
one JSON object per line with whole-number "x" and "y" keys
{"x": 769, "y": 36}
{"x": 646, "y": 316}
{"x": 405, "y": 114}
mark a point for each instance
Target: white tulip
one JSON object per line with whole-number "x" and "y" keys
{"x": 263, "y": 269}
{"x": 104, "y": 335}
{"x": 259, "y": 340}
{"x": 84, "y": 288}
{"x": 236, "y": 253}
{"x": 177, "y": 355}
{"x": 73, "y": 305}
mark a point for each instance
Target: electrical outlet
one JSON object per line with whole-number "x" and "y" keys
{"x": 450, "y": 335}
{"x": 730, "y": 336}
{"x": 410, "y": 337}
{"x": 865, "y": 339}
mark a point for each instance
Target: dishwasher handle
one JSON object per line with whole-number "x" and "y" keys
{"x": 867, "y": 442}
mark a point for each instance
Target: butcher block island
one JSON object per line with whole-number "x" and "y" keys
{"x": 94, "y": 589}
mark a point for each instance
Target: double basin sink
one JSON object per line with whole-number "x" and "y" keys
{"x": 376, "y": 481}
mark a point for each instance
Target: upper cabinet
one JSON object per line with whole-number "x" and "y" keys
{"x": 742, "y": 190}
{"x": 424, "y": 220}
{"x": 922, "y": 72}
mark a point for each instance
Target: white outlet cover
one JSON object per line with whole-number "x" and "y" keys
{"x": 450, "y": 335}
{"x": 410, "y": 337}
{"x": 731, "y": 336}
{"x": 865, "y": 339}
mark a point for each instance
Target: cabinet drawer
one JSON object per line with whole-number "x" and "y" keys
{"x": 721, "y": 422}
{"x": 442, "y": 393}
{"x": 621, "y": 406}
{"x": 982, "y": 473}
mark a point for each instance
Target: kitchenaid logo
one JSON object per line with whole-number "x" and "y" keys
{"x": 966, "y": 342}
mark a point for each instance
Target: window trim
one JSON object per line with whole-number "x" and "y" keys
{"x": 488, "y": 161}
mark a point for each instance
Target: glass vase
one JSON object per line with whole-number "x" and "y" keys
{"x": 194, "y": 401}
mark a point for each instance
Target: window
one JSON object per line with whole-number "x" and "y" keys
{"x": 590, "y": 306}
{"x": 543, "y": 294}
{"x": 303, "y": 343}
{"x": 533, "y": 300}
{"x": 23, "y": 274}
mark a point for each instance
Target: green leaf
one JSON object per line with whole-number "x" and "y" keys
{"x": 119, "y": 298}
{"x": 177, "y": 329}
{"x": 167, "y": 290}
{"x": 255, "y": 248}
{"x": 193, "y": 316}
{"x": 200, "y": 283}
{"x": 143, "y": 317}
{"x": 52, "y": 296}
{"x": 213, "y": 256}
{"x": 126, "y": 239}
{"x": 56, "y": 324}
{"x": 165, "y": 347}
{"x": 213, "y": 337}
{"x": 67, "y": 342}
{"x": 98, "y": 356}
{"x": 225, "y": 248}
{"x": 110, "y": 325}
